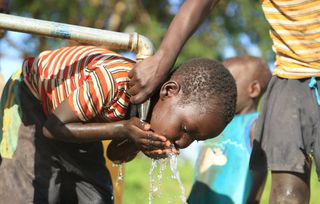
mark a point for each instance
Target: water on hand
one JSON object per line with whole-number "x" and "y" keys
{"x": 155, "y": 183}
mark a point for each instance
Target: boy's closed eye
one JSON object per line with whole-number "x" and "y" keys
{"x": 191, "y": 134}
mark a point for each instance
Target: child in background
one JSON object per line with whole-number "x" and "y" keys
{"x": 223, "y": 174}
{"x": 63, "y": 103}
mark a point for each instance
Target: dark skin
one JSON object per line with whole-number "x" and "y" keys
{"x": 252, "y": 76}
{"x": 63, "y": 125}
{"x": 183, "y": 124}
{"x": 291, "y": 187}
{"x": 180, "y": 124}
{"x": 287, "y": 187}
{"x": 258, "y": 179}
{"x": 122, "y": 151}
{"x": 150, "y": 73}
{"x": 249, "y": 91}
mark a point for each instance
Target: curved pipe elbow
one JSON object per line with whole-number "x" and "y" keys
{"x": 141, "y": 45}
{"x": 145, "y": 48}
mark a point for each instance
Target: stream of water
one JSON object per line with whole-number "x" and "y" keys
{"x": 155, "y": 181}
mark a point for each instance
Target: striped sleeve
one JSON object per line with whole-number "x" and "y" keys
{"x": 116, "y": 109}
{"x": 87, "y": 100}
{"x": 103, "y": 95}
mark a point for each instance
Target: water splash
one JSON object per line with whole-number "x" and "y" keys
{"x": 155, "y": 184}
{"x": 173, "y": 159}
{"x": 153, "y": 188}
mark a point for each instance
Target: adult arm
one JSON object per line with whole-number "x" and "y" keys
{"x": 151, "y": 72}
{"x": 258, "y": 177}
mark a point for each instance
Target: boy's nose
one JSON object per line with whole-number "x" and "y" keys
{"x": 182, "y": 143}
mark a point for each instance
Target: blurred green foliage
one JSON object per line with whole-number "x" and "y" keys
{"x": 137, "y": 183}
{"x": 228, "y": 25}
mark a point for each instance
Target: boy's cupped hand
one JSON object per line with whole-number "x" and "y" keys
{"x": 150, "y": 143}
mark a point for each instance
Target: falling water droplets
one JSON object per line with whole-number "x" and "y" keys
{"x": 155, "y": 183}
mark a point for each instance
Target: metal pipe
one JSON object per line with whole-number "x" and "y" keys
{"x": 143, "y": 110}
{"x": 132, "y": 42}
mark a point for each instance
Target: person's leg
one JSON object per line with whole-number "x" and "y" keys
{"x": 88, "y": 178}
{"x": 16, "y": 174}
{"x": 87, "y": 193}
{"x": 68, "y": 192}
{"x": 75, "y": 189}
{"x": 25, "y": 177}
{"x": 285, "y": 135}
{"x": 258, "y": 183}
{"x": 289, "y": 187}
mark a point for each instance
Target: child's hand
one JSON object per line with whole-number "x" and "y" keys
{"x": 145, "y": 139}
{"x": 161, "y": 153}
{"x": 120, "y": 151}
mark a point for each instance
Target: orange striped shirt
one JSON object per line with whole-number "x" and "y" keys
{"x": 93, "y": 80}
{"x": 295, "y": 31}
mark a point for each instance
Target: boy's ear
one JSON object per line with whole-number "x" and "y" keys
{"x": 254, "y": 89}
{"x": 169, "y": 88}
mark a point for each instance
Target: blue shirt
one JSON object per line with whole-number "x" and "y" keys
{"x": 222, "y": 173}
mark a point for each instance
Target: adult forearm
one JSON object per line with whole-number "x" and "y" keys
{"x": 149, "y": 74}
{"x": 187, "y": 20}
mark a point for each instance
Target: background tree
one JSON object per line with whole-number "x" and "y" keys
{"x": 235, "y": 25}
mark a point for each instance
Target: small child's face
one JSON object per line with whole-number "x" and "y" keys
{"x": 242, "y": 81}
{"x": 184, "y": 124}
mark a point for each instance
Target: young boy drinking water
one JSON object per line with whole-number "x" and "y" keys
{"x": 72, "y": 98}
{"x": 222, "y": 173}
{"x": 198, "y": 94}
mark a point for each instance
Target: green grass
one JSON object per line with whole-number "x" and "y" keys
{"x": 137, "y": 183}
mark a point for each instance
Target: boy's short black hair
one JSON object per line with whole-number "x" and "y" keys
{"x": 208, "y": 84}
